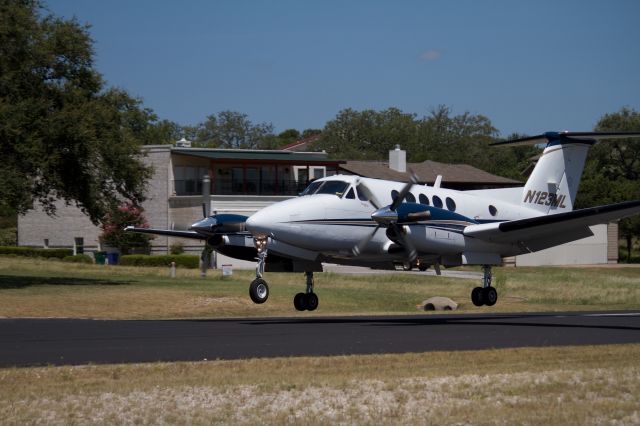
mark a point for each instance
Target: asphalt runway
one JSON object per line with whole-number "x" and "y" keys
{"x": 27, "y": 342}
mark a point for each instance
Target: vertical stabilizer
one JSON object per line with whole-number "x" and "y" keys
{"x": 554, "y": 182}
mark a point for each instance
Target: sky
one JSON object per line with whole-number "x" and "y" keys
{"x": 530, "y": 66}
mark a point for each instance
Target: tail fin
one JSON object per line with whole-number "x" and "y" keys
{"x": 554, "y": 182}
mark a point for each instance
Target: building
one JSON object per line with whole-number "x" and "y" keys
{"x": 244, "y": 181}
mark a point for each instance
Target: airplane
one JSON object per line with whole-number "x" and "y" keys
{"x": 353, "y": 220}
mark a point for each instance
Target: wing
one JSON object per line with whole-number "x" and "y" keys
{"x": 171, "y": 233}
{"x": 541, "y": 232}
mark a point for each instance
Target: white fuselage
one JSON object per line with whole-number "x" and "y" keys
{"x": 329, "y": 223}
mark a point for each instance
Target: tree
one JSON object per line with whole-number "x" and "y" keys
{"x": 368, "y": 134}
{"x": 612, "y": 170}
{"x": 62, "y": 135}
{"x": 113, "y": 233}
{"x": 230, "y": 129}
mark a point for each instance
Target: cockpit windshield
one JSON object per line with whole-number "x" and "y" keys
{"x": 312, "y": 188}
{"x": 335, "y": 187}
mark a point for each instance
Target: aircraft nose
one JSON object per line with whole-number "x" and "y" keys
{"x": 259, "y": 223}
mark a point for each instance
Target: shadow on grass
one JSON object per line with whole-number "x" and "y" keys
{"x": 13, "y": 282}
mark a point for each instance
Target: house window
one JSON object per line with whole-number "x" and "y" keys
{"x": 78, "y": 245}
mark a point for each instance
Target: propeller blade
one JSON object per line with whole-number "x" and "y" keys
{"x": 364, "y": 189}
{"x": 357, "y": 249}
{"x": 407, "y": 244}
{"x": 204, "y": 210}
{"x": 436, "y": 266}
{"x": 401, "y": 196}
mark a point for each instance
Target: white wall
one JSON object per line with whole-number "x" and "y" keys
{"x": 587, "y": 251}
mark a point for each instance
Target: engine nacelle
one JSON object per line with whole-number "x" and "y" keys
{"x": 218, "y": 240}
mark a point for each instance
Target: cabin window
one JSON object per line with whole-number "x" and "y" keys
{"x": 410, "y": 198}
{"x": 394, "y": 195}
{"x": 423, "y": 199}
{"x": 451, "y": 205}
{"x": 437, "y": 202}
{"x": 492, "y": 210}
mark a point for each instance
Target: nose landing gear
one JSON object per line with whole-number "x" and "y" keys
{"x": 259, "y": 290}
{"x": 485, "y": 295}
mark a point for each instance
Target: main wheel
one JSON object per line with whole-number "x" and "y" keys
{"x": 490, "y": 296}
{"x": 300, "y": 302}
{"x": 477, "y": 296}
{"x": 259, "y": 291}
{"x": 312, "y": 301}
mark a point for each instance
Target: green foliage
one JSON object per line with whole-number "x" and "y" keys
{"x": 62, "y": 136}
{"x": 612, "y": 170}
{"x": 440, "y": 136}
{"x": 35, "y": 252}
{"x": 176, "y": 248}
{"x": 367, "y": 135}
{"x": 78, "y": 258}
{"x": 8, "y": 236}
{"x": 230, "y": 129}
{"x": 182, "y": 260}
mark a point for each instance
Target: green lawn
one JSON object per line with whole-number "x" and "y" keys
{"x": 48, "y": 288}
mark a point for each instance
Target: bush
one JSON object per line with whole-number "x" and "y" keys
{"x": 176, "y": 248}
{"x": 78, "y": 258}
{"x": 184, "y": 260}
{"x": 35, "y": 252}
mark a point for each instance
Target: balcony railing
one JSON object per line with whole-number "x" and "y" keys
{"x": 247, "y": 187}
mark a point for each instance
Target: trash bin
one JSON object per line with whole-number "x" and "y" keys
{"x": 112, "y": 258}
{"x": 99, "y": 256}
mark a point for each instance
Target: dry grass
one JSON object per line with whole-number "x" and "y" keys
{"x": 586, "y": 385}
{"x": 42, "y": 288}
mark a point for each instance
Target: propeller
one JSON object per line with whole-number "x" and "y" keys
{"x": 388, "y": 217}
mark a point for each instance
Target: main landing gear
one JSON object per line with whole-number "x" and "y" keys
{"x": 485, "y": 295}
{"x": 259, "y": 290}
{"x": 306, "y": 301}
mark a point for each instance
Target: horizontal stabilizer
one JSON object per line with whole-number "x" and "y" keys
{"x": 567, "y": 137}
{"x": 168, "y": 232}
{"x": 540, "y": 227}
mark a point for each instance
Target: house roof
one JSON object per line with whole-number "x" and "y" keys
{"x": 427, "y": 172}
{"x": 302, "y": 144}
{"x": 256, "y": 155}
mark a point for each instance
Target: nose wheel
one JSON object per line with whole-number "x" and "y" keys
{"x": 258, "y": 289}
{"x": 306, "y": 301}
{"x": 485, "y": 295}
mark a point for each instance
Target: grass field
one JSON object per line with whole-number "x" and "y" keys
{"x": 46, "y": 288}
{"x": 574, "y": 385}
{"x": 552, "y": 386}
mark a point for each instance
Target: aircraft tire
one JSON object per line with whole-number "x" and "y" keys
{"x": 311, "y": 300}
{"x": 477, "y": 296}
{"x": 259, "y": 291}
{"x": 300, "y": 302}
{"x": 490, "y": 296}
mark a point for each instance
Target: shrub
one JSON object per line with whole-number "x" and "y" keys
{"x": 78, "y": 258}
{"x": 35, "y": 252}
{"x": 176, "y": 248}
{"x": 184, "y": 260}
